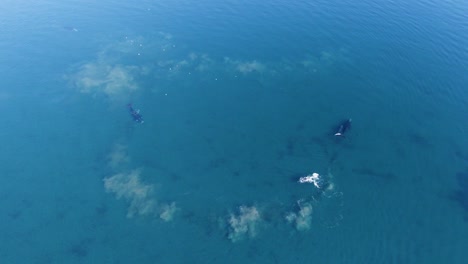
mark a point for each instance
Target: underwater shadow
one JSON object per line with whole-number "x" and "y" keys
{"x": 461, "y": 195}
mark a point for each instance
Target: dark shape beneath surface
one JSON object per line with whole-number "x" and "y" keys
{"x": 135, "y": 113}
{"x": 461, "y": 195}
{"x": 344, "y": 126}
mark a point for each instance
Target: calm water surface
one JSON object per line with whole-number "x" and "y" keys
{"x": 239, "y": 99}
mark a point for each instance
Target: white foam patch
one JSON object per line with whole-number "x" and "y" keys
{"x": 244, "y": 224}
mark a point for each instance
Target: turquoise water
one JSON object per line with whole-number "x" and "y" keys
{"x": 239, "y": 99}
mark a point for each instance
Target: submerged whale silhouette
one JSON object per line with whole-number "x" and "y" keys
{"x": 135, "y": 113}
{"x": 343, "y": 127}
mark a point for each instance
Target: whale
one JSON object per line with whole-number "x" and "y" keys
{"x": 135, "y": 113}
{"x": 343, "y": 127}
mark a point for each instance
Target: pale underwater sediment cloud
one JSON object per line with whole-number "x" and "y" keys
{"x": 119, "y": 65}
{"x": 248, "y": 67}
{"x": 244, "y": 224}
{"x": 303, "y": 218}
{"x": 139, "y": 195}
{"x": 202, "y": 62}
{"x": 130, "y": 187}
{"x": 194, "y": 63}
{"x": 118, "y": 156}
{"x": 245, "y": 67}
{"x": 168, "y": 211}
{"x": 114, "y": 81}
{"x": 122, "y": 48}
{"x": 173, "y": 67}
{"x": 326, "y": 59}
{"x": 132, "y": 47}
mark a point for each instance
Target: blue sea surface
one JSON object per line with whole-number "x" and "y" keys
{"x": 240, "y": 99}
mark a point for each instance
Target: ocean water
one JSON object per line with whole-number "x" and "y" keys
{"x": 240, "y": 99}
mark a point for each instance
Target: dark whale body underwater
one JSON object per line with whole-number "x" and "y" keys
{"x": 135, "y": 113}
{"x": 343, "y": 127}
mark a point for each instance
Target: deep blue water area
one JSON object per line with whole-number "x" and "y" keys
{"x": 240, "y": 99}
